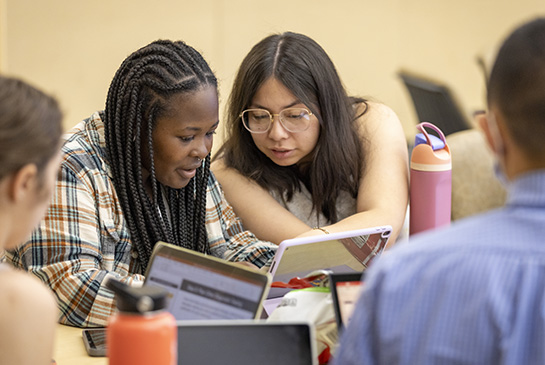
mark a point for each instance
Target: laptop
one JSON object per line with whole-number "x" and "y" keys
{"x": 348, "y": 251}
{"x": 345, "y": 291}
{"x": 232, "y": 342}
{"x": 203, "y": 287}
{"x": 246, "y": 342}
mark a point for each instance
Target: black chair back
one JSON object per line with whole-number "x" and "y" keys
{"x": 434, "y": 103}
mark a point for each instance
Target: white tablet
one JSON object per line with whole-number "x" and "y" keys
{"x": 348, "y": 251}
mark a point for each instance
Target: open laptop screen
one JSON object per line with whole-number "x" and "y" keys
{"x": 256, "y": 342}
{"x": 204, "y": 287}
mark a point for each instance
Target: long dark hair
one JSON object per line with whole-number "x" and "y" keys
{"x": 138, "y": 95}
{"x": 306, "y": 70}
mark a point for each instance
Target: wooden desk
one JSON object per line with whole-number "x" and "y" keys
{"x": 69, "y": 349}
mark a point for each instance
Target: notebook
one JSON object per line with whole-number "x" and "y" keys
{"x": 348, "y": 251}
{"x": 246, "y": 342}
{"x": 203, "y": 287}
{"x": 345, "y": 291}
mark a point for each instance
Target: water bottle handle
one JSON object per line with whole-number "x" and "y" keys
{"x": 423, "y": 125}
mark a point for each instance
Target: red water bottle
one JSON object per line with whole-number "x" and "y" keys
{"x": 142, "y": 332}
{"x": 430, "y": 182}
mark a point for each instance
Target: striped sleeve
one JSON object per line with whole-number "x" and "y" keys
{"x": 74, "y": 249}
{"x": 227, "y": 237}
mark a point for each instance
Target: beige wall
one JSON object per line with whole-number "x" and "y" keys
{"x": 73, "y": 48}
{"x": 3, "y": 26}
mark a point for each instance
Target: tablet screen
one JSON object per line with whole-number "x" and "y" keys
{"x": 345, "y": 290}
{"x": 348, "y": 293}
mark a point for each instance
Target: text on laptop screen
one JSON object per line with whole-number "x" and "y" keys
{"x": 200, "y": 292}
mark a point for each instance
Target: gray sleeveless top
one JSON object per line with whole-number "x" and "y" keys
{"x": 301, "y": 206}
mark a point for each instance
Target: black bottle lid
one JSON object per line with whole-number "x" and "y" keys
{"x": 138, "y": 300}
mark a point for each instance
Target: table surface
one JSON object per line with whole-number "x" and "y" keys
{"x": 69, "y": 348}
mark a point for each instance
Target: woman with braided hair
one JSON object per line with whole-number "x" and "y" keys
{"x": 132, "y": 175}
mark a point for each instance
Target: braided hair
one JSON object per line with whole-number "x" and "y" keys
{"x": 139, "y": 94}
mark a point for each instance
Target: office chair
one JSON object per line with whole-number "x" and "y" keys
{"x": 434, "y": 103}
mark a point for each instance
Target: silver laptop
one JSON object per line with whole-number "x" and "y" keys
{"x": 203, "y": 287}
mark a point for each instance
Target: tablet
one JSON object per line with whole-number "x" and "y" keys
{"x": 348, "y": 251}
{"x": 345, "y": 291}
{"x": 203, "y": 287}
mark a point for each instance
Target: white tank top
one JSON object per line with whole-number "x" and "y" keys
{"x": 301, "y": 206}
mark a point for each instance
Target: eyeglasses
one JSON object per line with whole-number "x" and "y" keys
{"x": 260, "y": 120}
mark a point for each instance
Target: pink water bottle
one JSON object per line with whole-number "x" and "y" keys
{"x": 431, "y": 181}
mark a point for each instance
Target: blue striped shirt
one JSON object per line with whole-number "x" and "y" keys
{"x": 473, "y": 293}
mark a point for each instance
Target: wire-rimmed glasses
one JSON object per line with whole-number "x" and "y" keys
{"x": 260, "y": 120}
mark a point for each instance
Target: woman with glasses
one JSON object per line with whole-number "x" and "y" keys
{"x": 301, "y": 154}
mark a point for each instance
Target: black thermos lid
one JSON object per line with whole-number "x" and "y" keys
{"x": 138, "y": 300}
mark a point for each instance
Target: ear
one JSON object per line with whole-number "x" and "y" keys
{"x": 23, "y": 182}
{"x": 495, "y": 132}
{"x": 483, "y": 124}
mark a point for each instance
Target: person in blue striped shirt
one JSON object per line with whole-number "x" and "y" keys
{"x": 473, "y": 293}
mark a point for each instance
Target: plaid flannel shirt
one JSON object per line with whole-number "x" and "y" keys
{"x": 84, "y": 238}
